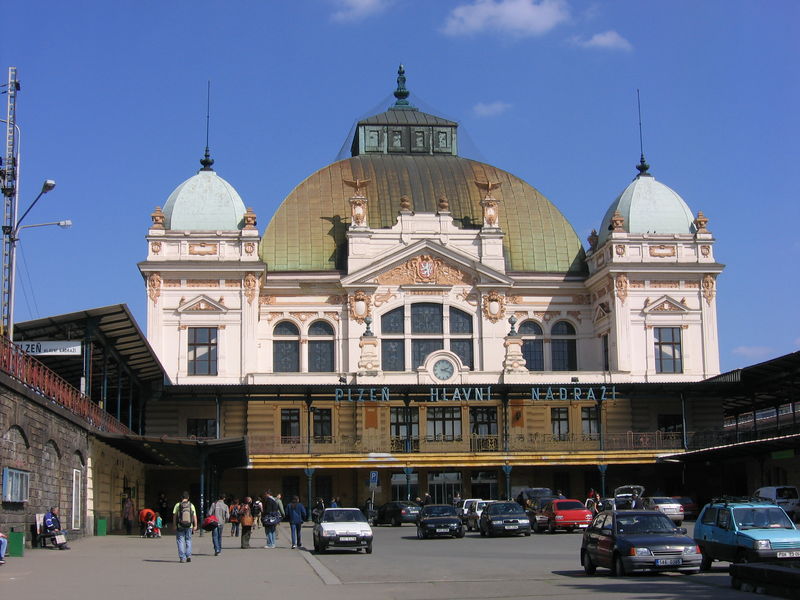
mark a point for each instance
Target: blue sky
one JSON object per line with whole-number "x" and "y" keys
{"x": 113, "y": 106}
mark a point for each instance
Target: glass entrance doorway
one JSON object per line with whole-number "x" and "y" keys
{"x": 443, "y": 486}
{"x": 484, "y": 485}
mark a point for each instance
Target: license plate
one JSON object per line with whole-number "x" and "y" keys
{"x": 668, "y": 562}
{"x": 347, "y": 539}
{"x": 583, "y": 525}
{"x": 789, "y": 554}
{"x": 442, "y": 530}
{"x": 512, "y": 526}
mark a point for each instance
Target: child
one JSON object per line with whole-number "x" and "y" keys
{"x": 159, "y": 524}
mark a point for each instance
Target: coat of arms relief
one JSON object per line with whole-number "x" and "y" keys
{"x": 425, "y": 269}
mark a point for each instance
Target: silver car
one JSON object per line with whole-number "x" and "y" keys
{"x": 669, "y": 506}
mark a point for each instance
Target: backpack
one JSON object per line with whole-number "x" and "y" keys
{"x": 185, "y": 514}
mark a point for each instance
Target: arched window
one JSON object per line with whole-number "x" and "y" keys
{"x": 564, "y": 347}
{"x": 430, "y": 328}
{"x": 320, "y": 348}
{"x": 286, "y": 348}
{"x": 532, "y": 345}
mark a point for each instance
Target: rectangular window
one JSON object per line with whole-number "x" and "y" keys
{"x": 589, "y": 423}
{"x": 483, "y": 420}
{"x": 77, "y": 489}
{"x": 533, "y": 352}
{"x": 323, "y": 425}
{"x": 606, "y": 363}
{"x": 286, "y": 356}
{"x": 201, "y": 428}
{"x": 320, "y": 356}
{"x": 444, "y": 423}
{"x": 670, "y": 423}
{"x": 565, "y": 356}
{"x": 668, "y": 353}
{"x": 462, "y": 349}
{"x": 403, "y": 420}
{"x": 202, "y": 351}
{"x": 15, "y": 485}
{"x": 559, "y": 417}
{"x": 393, "y": 355}
{"x": 426, "y": 318}
{"x": 290, "y": 425}
{"x": 420, "y": 349}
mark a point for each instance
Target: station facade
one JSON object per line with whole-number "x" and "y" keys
{"x": 413, "y": 321}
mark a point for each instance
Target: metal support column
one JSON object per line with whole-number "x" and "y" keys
{"x": 407, "y": 471}
{"x": 683, "y": 422}
{"x": 507, "y": 472}
{"x": 309, "y": 475}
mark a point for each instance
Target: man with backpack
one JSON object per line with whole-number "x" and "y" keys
{"x": 184, "y": 517}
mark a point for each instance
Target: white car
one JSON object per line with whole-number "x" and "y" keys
{"x": 785, "y": 496}
{"x": 669, "y": 506}
{"x": 474, "y": 514}
{"x": 463, "y": 510}
{"x": 343, "y": 528}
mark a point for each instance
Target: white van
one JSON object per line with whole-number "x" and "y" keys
{"x": 785, "y": 496}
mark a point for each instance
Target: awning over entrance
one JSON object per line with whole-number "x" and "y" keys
{"x": 181, "y": 452}
{"x": 781, "y": 444}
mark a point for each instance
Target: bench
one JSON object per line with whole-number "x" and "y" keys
{"x": 39, "y": 535}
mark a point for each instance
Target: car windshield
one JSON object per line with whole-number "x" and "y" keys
{"x": 568, "y": 505}
{"x": 439, "y": 511}
{"x": 343, "y": 516}
{"x": 480, "y": 505}
{"x": 644, "y": 524}
{"x": 786, "y": 493}
{"x": 504, "y": 508}
{"x": 664, "y": 501}
{"x": 761, "y": 517}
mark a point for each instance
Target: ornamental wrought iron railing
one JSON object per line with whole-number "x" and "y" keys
{"x": 41, "y": 380}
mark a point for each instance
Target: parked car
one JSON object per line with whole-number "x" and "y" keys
{"x": 566, "y": 514}
{"x": 669, "y": 506}
{"x": 784, "y": 496}
{"x": 342, "y": 528}
{"x": 623, "y": 496}
{"x": 745, "y": 530}
{"x": 397, "y": 513}
{"x": 436, "y": 520}
{"x": 537, "y": 517}
{"x": 532, "y": 493}
{"x": 468, "y": 503}
{"x": 690, "y": 507}
{"x": 628, "y": 541}
{"x": 503, "y": 518}
{"x": 474, "y": 514}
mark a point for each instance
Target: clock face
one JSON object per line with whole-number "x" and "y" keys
{"x": 443, "y": 369}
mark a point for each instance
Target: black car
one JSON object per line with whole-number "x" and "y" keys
{"x": 627, "y": 541}
{"x": 435, "y": 520}
{"x": 397, "y": 513}
{"x": 503, "y": 518}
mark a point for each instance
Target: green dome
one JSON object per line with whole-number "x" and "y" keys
{"x": 307, "y": 233}
{"x": 204, "y": 202}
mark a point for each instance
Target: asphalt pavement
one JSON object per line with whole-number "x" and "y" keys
{"x": 401, "y": 568}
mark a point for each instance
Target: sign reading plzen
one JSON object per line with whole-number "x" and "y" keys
{"x": 51, "y": 348}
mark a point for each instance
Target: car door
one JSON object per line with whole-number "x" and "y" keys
{"x": 592, "y": 534}
{"x": 725, "y": 536}
{"x": 605, "y": 542}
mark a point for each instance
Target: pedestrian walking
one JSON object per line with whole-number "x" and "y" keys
{"x": 221, "y": 511}
{"x": 234, "y": 518}
{"x": 272, "y": 516}
{"x": 184, "y": 518}
{"x": 297, "y": 515}
{"x": 128, "y": 514}
{"x": 246, "y": 521}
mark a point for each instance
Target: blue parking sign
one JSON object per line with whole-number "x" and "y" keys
{"x": 373, "y": 479}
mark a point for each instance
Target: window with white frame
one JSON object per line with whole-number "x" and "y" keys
{"x": 410, "y": 333}
{"x": 320, "y": 348}
{"x": 15, "y": 485}
{"x": 286, "y": 348}
{"x": 77, "y": 498}
{"x": 202, "y": 351}
{"x": 559, "y": 418}
{"x": 563, "y": 344}
{"x": 532, "y": 345}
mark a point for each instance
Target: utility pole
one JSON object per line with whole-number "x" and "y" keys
{"x": 10, "y": 181}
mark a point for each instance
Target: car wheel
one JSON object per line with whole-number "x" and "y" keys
{"x": 550, "y": 528}
{"x": 588, "y": 565}
{"x": 527, "y": 533}
{"x": 316, "y": 545}
{"x": 469, "y": 526}
{"x": 368, "y": 549}
{"x": 678, "y": 523}
{"x": 460, "y": 533}
{"x": 483, "y": 533}
{"x": 396, "y": 522}
{"x": 619, "y": 567}
{"x": 705, "y": 562}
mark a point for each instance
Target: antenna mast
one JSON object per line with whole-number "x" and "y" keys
{"x": 10, "y": 183}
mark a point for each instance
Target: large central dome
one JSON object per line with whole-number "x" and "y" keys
{"x": 405, "y": 152}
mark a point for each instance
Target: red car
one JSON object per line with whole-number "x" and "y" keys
{"x": 566, "y": 514}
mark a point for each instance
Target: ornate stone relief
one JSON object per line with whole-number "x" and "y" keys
{"x": 514, "y": 299}
{"x": 617, "y": 222}
{"x": 620, "y": 250}
{"x": 381, "y": 299}
{"x": 424, "y": 269}
{"x": 471, "y": 298}
{"x": 232, "y": 283}
{"x": 201, "y": 306}
{"x": 158, "y": 218}
{"x": 203, "y": 249}
{"x": 708, "y": 288}
{"x": 251, "y": 285}
{"x": 172, "y": 283}
{"x": 666, "y": 307}
{"x": 266, "y": 300}
{"x": 576, "y": 314}
{"x": 582, "y": 299}
{"x": 691, "y": 284}
{"x": 636, "y": 283}
{"x": 662, "y": 251}
{"x": 665, "y": 284}
{"x": 621, "y": 286}
{"x": 360, "y": 306}
{"x": 332, "y": 315}
{"x": 546, "y": 315}
{"x": 700, "y": 223}
{"x": 303, "y": 316}
{"x": 249, "y": 219}
{"x": 154, "y": 287}
{"x": 202, "y": 283}
{"x": 490, "y": 205}
{"x": 155, "y": 247}
{"x": 494, "y": 306}
{"x": 249, "y": 248}
{"x": 336, "y": 299}
{"x": 705, "y": 250}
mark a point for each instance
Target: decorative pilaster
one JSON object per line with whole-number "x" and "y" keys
{"x": 369, "y": 363}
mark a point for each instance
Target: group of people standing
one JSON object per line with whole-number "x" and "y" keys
{"x": 244, "y": 516}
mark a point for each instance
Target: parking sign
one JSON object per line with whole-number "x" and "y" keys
{"x": 373, "y": 479}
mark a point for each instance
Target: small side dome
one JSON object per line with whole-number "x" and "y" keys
{"x": 204, "y": 202}
{"x": 649, "y": 206}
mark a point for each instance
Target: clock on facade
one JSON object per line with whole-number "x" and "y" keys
{"x": 443, "y": 369}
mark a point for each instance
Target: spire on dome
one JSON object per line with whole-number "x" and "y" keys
{"x": 642, "y": 167}
{"x": 401, "y": 93}
{"x": 207, "y": 161}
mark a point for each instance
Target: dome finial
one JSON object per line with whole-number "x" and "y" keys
{"x": 401, "y": 93}
{"x": 642, "y": 167}
{"x": 207, "y": 161}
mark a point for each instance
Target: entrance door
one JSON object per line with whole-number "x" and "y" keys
{"x": 443, "y": 486}
{"x": 484, "y": 485}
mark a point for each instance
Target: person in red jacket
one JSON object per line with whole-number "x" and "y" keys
{"x": 145, "y": 516}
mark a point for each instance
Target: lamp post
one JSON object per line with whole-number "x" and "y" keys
{"x": 12, "y": 232}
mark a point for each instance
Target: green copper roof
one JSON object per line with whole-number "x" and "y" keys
{"x": 307, "y": 233}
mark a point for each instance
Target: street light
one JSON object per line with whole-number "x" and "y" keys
{"x": 12, "y": 232}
